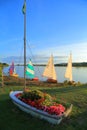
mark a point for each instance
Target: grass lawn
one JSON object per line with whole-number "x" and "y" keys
{"x": 11, "y": 118}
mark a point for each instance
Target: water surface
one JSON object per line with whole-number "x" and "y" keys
{"x": 79, "y": 73}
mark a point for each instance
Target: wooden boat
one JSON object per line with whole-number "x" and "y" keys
{"x": 54, "y": 119}
{"x": 50, "y": 72}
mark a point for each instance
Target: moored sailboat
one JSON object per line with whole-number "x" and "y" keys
{"x": 50, "y": 72}
{"x": 12, "y": 71}
{"x": 30, "y": 71}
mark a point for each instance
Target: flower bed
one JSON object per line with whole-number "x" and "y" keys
{"x": 41, "y": 101}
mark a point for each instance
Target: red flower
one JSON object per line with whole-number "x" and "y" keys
{"x": 18, "y": 95}
{"x": 56, "y": 109}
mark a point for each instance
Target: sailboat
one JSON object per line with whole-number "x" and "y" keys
{"x": 54, "y": 119}
{"x": 68, "y": 73}
{"x": 50, "y": 72}
{"x": 30, "y": 71}
{"x": 12, "y": 71}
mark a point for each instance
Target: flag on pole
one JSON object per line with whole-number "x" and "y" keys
{"x": 30, "y": 70}
{"x": 24, "y": 8}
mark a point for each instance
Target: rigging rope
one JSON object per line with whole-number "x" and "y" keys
{"x": 34, "y": 59}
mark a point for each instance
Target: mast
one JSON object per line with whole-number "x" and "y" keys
{"x": 24, "y": 12}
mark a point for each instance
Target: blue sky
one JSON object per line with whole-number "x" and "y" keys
{"x": 53, "y": 26}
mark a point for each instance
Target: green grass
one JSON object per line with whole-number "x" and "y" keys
{"x": 11, "y": 118}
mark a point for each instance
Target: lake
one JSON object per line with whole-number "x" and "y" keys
{"x": 79, "y": 73}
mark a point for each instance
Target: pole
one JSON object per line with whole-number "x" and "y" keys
{"x": 2, "y": 79}
{"x": 25, "y": 46}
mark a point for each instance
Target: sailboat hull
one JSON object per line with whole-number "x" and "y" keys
{"x": 51, "y": 81}
{"x": 14, "y": 75}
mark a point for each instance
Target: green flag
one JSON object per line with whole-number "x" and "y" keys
{"x": 24, "y": 8}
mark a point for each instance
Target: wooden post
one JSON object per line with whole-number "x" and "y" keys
{"x": 2, "y": 79}
{"x": 1, "y": 75}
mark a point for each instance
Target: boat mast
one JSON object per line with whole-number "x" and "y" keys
{"x": 24, "y": 43}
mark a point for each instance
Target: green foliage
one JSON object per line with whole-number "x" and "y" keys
{"x": 34, "y": 95}
{"x": 73, "y": 83}
{"x": 1, "y": 68}
{"x": 12, "y": 118}
{"x": 82, "y": 64}
{"x": 47, "y": 99}
{"x": 65, "y": 82}
{"x": 3, "y": 64}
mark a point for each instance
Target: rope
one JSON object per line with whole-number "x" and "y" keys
{"x": 33, "y": 58}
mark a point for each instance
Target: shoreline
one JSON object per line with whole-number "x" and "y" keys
{"x": 81, "y": 64}
{"x": 9, "y": 80}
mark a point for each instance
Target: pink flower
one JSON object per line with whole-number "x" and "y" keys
{"x": 18, "y": 95}
{"x": 56, "y": 109}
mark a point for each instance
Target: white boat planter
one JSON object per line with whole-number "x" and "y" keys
{"x": 54, "y": 119}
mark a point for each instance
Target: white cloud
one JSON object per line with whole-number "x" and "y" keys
{"x": 60, "y": 53}
{"x": 79, "y": 51}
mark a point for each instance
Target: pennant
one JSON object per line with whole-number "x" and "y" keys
{"x": 24, "y": 8}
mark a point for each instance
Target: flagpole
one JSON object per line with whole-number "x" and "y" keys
{"x": 25, "y": 45}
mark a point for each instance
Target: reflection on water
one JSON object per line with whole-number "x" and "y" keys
{"x": 79, "y": 73}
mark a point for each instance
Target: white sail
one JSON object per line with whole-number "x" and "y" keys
{"x": 14, "y": 72}
{"x": 68, "y": 73}
{"x": 50, "y": 70}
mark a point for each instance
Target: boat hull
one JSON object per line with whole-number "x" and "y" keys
{"x": 14, "y": 75}
{"x": 51, "y": 80}
{"x": 34, "y": 111}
